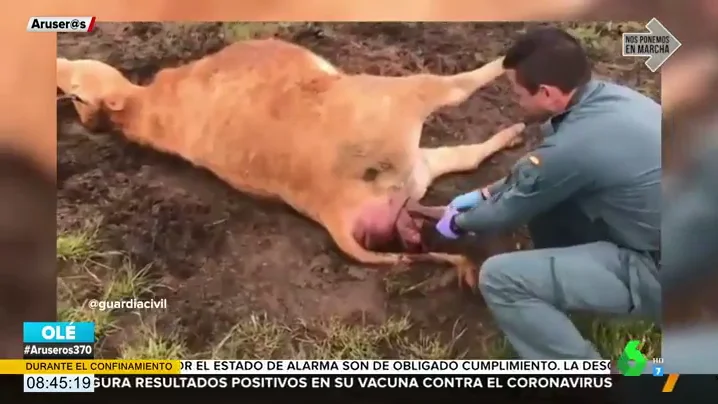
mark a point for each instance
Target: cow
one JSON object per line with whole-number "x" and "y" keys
{"x": 273, "y": 119}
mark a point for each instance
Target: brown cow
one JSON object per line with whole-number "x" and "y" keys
{"x": 273, "y": 119}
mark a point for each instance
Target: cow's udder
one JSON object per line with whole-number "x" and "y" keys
{"x": 382, "y": 224}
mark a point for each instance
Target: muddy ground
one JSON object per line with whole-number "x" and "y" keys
{"x": 221, "y": 256}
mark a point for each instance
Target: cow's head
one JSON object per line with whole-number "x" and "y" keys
{"x": 95, "y": 89}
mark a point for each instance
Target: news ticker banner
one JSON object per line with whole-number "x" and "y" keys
{"x": 58, "y": 340}
{"x": 89, "y": 383}
{"x": 79, "y": 383}
{"x": 86, "y": 375}
{"x": 72, "y": 375}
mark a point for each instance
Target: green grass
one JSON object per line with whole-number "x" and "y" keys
{"x": 608, "y": 336}
{"x": 78, "y": 246}
{"x": 239, "y": 31}
{"x": 603, "y": 39}
{"x": 149, "y": 342}
{"x": 611, "y": 336}
{"x": 87, "y": 272}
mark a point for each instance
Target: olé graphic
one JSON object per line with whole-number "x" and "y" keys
{"x": 658, "y": 44}
{"x": 632, "y": 361}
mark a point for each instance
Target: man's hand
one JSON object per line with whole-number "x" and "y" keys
{"x": 446, "y": 226}
{"x": 468, "y": 200}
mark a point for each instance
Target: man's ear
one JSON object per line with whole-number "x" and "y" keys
{"x": 114, "y": 102}
{"x": 549, "y": 91}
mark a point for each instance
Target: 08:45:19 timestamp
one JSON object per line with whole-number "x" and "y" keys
{"x": 59, "y": 383}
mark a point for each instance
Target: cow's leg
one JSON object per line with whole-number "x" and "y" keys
{"x": 452, "y": 159}
{"x": 459, "y": 87}
{"x": 343, "y": 235}
{"x": 429, "y": 92}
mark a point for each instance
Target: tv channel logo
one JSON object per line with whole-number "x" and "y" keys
{"x": 632, "y": 361}
{"x": 58, "y": 332}
{"x": 657, "y": 370}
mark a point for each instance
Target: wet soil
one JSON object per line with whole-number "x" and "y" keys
{"x": 225, "y": 255}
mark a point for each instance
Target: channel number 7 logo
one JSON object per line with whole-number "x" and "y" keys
{"x": 632, "y": 361}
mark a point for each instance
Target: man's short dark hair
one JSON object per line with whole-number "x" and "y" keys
{"x": 548, "y": 56}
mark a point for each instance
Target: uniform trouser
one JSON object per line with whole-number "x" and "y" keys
{"x": 530, "y": 292}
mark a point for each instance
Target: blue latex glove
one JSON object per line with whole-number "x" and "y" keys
{"x": 444, "y": 227}
{"x": 467, "y": 201}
